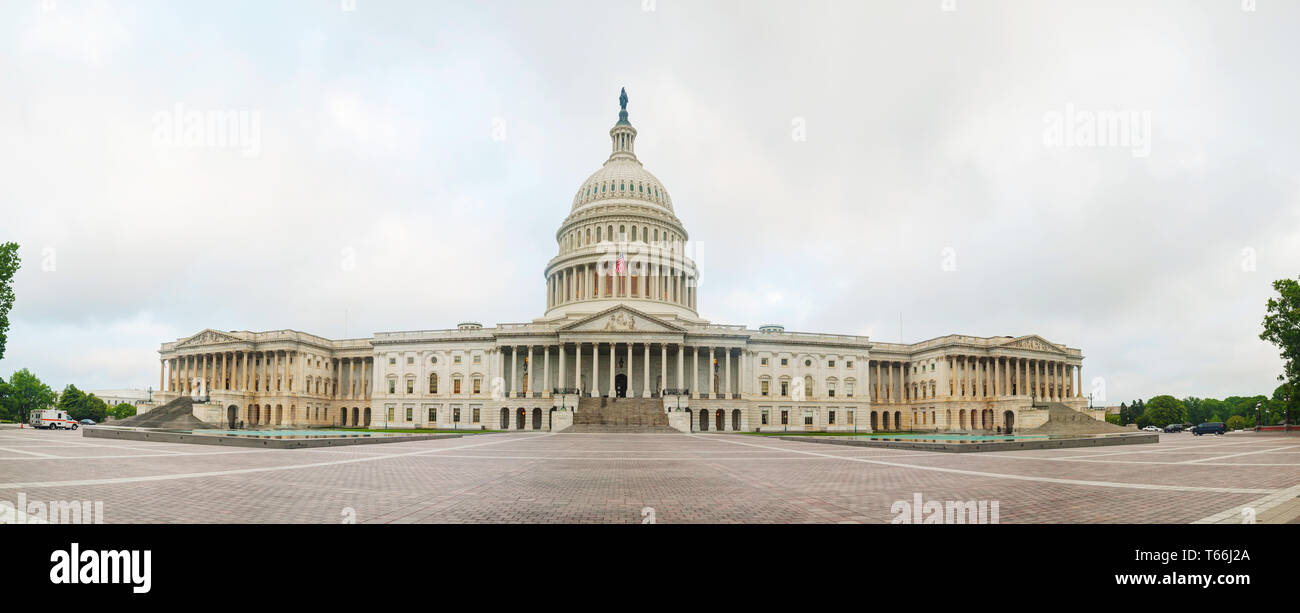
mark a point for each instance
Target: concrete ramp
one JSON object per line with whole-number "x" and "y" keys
{"x": 1062, "y": 419}
{"x": 178, "y": 413}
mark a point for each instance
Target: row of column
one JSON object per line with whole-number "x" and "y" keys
{"x": 264, "y": 371}
{"x": 977, "y": 377}
{"x": 587, "y": 282}
{"x": 522, "y": 372}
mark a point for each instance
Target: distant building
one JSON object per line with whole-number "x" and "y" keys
{"x": 134, "y": 398}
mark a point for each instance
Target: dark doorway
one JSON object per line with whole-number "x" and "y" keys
{"x": 704, "y": 420}
{"x": 367, "y": 417}
{"x": 1008, "y": 421}
{"x": 519, "y": 418}
{"x": 721, "y": 417}
{"x": 537, "y": 419}
{"x": 232, "y": 413}
{"x": 620, "y": 386}
{"x": 505, "y": 418}
{"x": 735, "y": 419}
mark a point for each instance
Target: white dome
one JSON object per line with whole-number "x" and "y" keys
{"x": 622, "y": 178}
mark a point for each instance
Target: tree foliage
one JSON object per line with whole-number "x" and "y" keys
{"x": 9, "y": 264}
{"x": 122, "y": 410}
{"x": 1236, "y": 422}
{"x": 1282, "y": 328}
{"x": 1165, "y": 410}
{"x": 23, "y": 394}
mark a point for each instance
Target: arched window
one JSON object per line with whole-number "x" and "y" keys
{"x": 808, "y": 387}
{"x": 433, "y": 383}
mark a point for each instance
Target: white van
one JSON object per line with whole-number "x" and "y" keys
{"x": 51, "y": 418}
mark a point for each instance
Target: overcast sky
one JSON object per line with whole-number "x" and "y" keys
{"x": 846, "y": 167}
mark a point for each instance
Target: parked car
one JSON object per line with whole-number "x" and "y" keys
{"x": 1174, "y": 428}
{"x": 87, "y": 422}
{"x": 1152, "y": 428}
{"x": 1212, "y": 427}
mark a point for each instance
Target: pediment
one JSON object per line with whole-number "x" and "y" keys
{"x": 621, "y": 319}
{"x": 208, "y": 337}
{"x": 1032, "y": 342}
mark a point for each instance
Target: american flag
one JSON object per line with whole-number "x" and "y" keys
{"x": 620, "y": 265}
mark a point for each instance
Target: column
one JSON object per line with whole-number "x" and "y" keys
{"x": 663, "y": 368}
{"x": 727, "y": 375}
{"x": 546, "y": 371}
{"x": 1020, "y": 376}
{"x": 595, "y": 370}
{"x": 613, "y": 360}
{"x": 514, "y": 371}
{"x": 645, "y": 377}
{"x": 577, "y": 367}
{"x": 880, "y": 385}
{"x": 629, "y": 370}
{"x": 531, "y": 367}
{"x": 698, "y": 350}
{"x": 681, "y": 366}
{"x": 563, "y": 383}
{"x": 1078, "y": 374}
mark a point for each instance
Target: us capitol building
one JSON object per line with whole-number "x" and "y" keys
{"x": 620, "y": 322}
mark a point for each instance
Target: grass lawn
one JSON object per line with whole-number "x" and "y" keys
{"x": 802, "y": 433}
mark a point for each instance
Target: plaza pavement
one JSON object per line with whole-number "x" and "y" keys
{"x": 562, "y": 478}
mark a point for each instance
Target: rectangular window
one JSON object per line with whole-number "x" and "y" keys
{"x": 830, "y": 364}
{"x": 390, "y": 413}
{"x": 764, "y": 387}
{"x": 785, "y": 417}
{"x": 392, "y": 386}
{"x": 455, "y": 386}
{"x": 764, "y": 422}
{"x": 478, "y": 359}
{"x": 455, "y": 415}
{"x": 831, "y": 418}
{"x": 478, "y": 386}
{"x": 785, "y": 361}
{"x": 762, "y": 361}
{"x": 848, "y": 389}
{"x": 410, "y": 360}
{"x": 433, "y": 415}
{"x": 848, "y": 415}
{"x": 807, "y": 418}
{"x": 785, "y": 389}
{"x": 456, "y": 359}
{"x": 410, "y": 386}
{"x": 848, "y": 364}
{"x": 392, "y": 361}
{"x": 476, "y": 414}
{"x": 410, "y": 414}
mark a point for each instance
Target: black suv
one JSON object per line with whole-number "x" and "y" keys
{"x": 1174, "y": 428}
{"x": 1213, "y": 427}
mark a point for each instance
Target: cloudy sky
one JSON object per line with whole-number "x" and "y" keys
{"x": 913, "y": 167}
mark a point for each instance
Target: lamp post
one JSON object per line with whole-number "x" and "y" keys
{"x": 1259, "y": 417}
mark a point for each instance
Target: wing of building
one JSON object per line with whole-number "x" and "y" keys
{"x": 620, "y": 329}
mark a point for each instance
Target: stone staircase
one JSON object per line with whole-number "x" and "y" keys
{"x": 636, "y": 415}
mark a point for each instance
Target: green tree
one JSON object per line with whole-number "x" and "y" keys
{"x": 25, "y": 393}
{"x": 9, "y": 264}
{"x": 1282, "y": 328}
{"x": 71, "y": 400}
{"x": 1236, "y": 422}
{"x": 1165, "y": 410}
{"x": 122, "y": 410}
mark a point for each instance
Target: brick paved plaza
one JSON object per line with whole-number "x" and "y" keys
{"x": 611, "y": 477}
